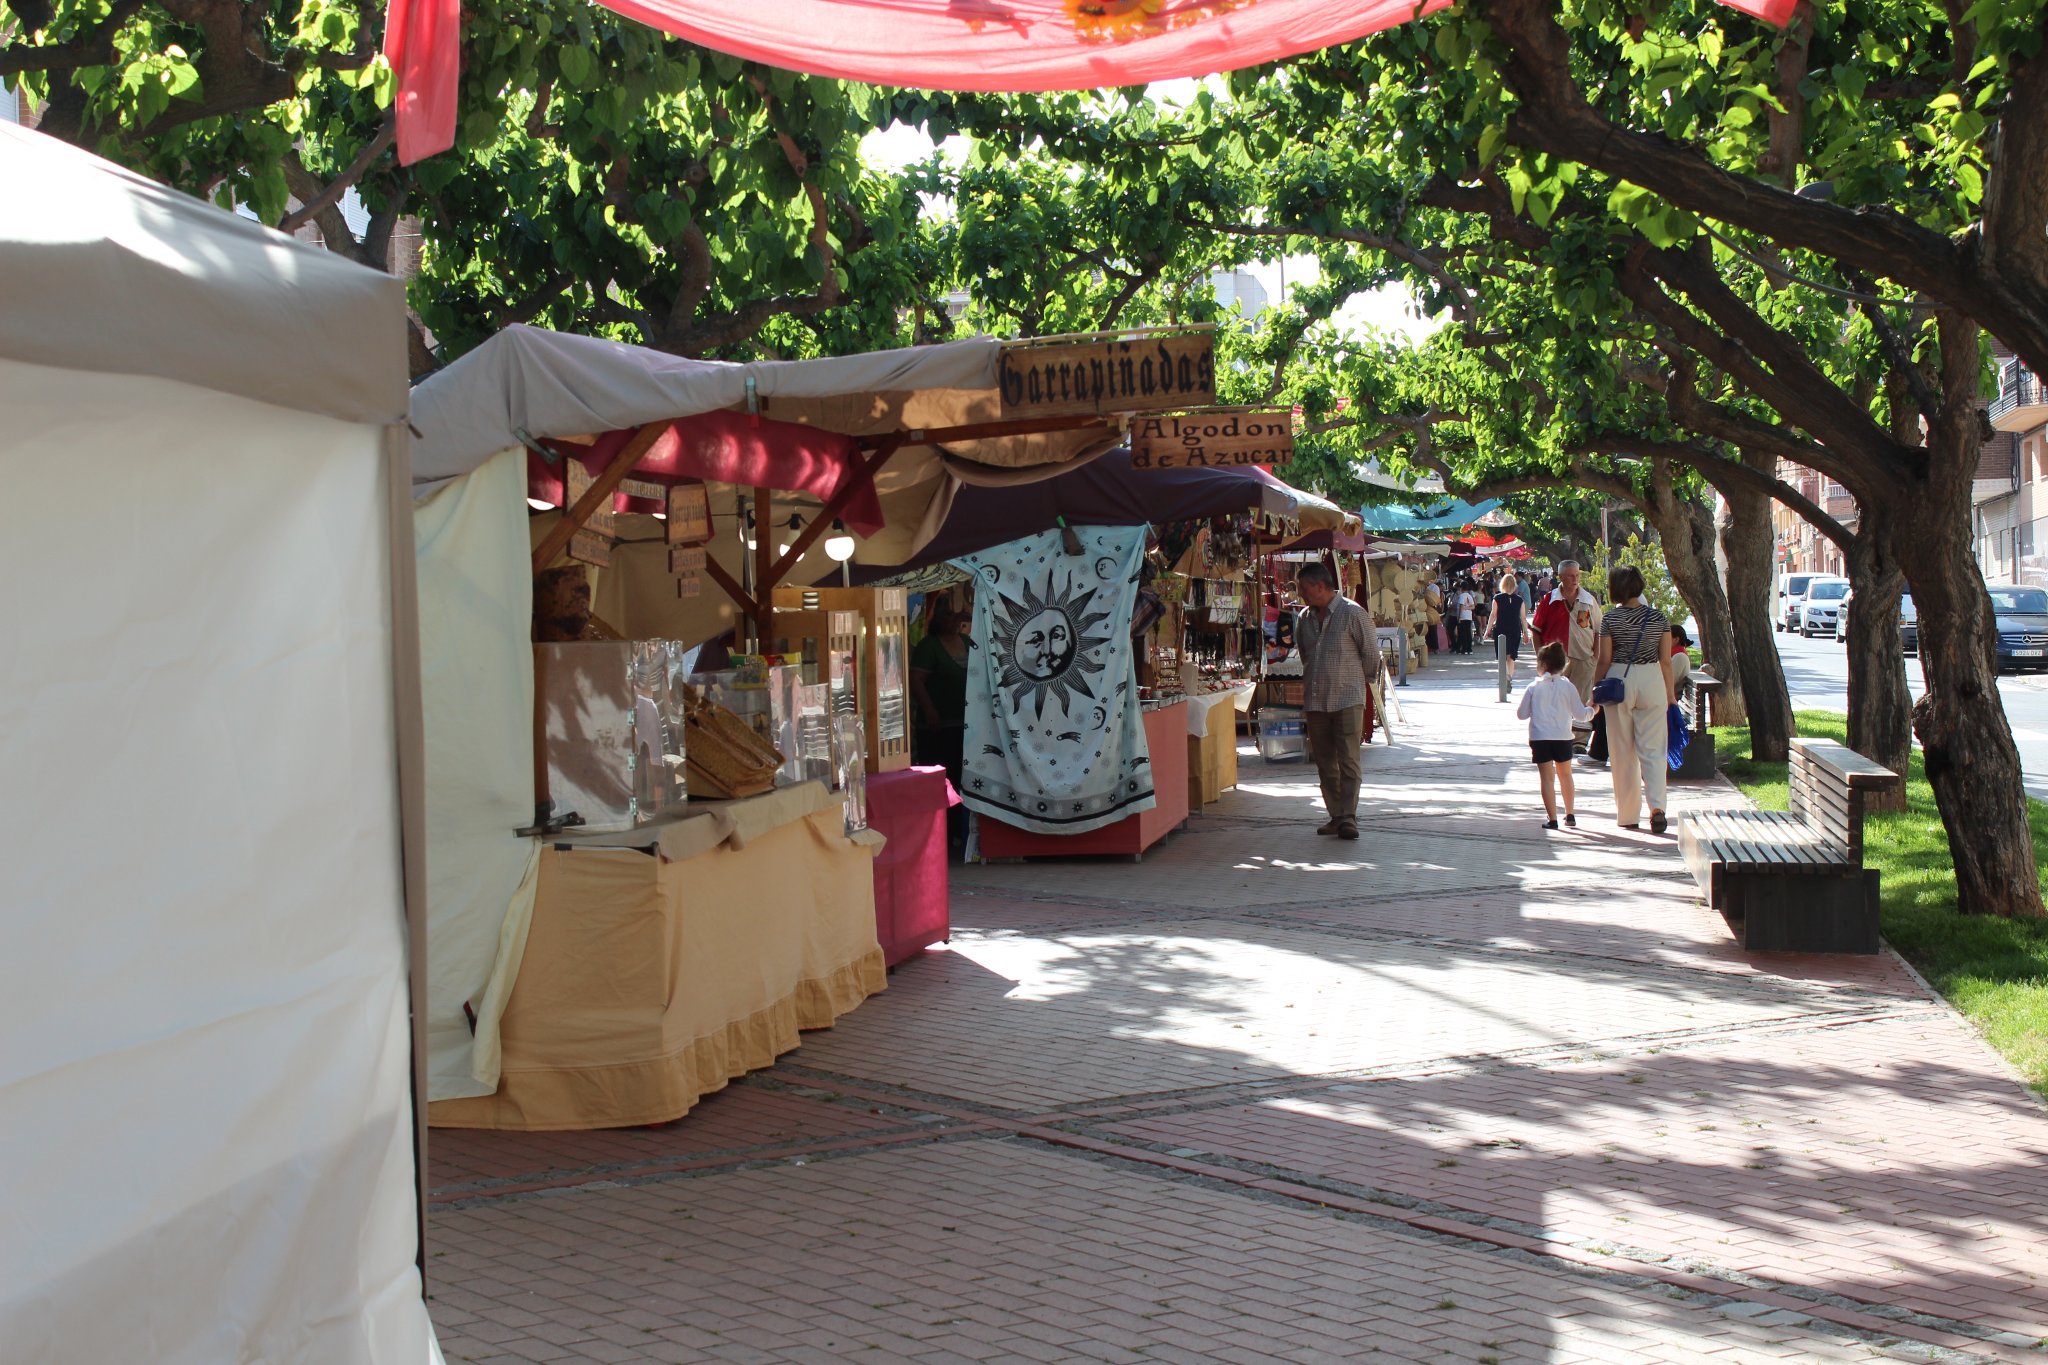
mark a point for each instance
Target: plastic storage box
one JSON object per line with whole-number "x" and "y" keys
{"x": 1282, "y": 734}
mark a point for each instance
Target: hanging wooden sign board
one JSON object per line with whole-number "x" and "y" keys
{"x": 1108, "y": 372}
{"x": 592, "y": 543}
{"x": 1218, "y": 437}
{"x": 689, "y": 514}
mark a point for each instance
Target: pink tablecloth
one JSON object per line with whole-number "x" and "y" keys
{"x": 913, "y": 907}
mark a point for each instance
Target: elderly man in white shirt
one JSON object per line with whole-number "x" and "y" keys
{"x": 1570, "y": 615}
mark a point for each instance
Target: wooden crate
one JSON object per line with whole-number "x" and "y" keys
{"x": 884, "y": 658}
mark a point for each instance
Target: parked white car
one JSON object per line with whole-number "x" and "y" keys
{"x": 1791, "y": 598}
{"x": 1820, "y": 606}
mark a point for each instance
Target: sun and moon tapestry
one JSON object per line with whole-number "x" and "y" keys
{"x": 1055, "y": 737}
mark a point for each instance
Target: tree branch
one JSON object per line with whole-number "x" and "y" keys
{"x": 94, "y": 47}
{"x": 2009, "y": 299}
{"x": 331, "y": 195}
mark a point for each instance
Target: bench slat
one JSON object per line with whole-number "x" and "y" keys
{"x": 1843, "y": 763}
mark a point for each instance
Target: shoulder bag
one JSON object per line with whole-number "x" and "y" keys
{"x": 1610, "y": 691}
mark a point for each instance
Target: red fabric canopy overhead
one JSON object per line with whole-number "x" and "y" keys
{"x": 1020, "y": 44}
{"x": 945, "y": 44}
{"x": 731, "y": 447}
{"x": 1035, "y": 44}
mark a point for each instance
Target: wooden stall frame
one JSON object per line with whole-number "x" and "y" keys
{"x": 769, "y": 569}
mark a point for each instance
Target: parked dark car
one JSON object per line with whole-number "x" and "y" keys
{"x": 2022, "y": 625}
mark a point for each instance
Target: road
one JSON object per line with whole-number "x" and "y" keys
{"x": 1817, "y": 671}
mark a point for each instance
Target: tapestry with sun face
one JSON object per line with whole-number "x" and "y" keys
{"x": 1055, "y": 738}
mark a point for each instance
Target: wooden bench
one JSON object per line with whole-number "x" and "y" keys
{"x": 1795, "y": 878}
{"x": 1704, "y": 688}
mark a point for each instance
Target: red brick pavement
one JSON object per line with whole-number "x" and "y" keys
{"x": 1461, "y": 1091}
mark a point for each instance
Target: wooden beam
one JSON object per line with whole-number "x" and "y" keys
{"x": 597, "y": 495}
{"x": 982, "y": 431}
{"x": 830, "y": 512}
{"x": 730, "y": 586}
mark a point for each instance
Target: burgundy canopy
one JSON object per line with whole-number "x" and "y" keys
{"x": 728, "y": 447}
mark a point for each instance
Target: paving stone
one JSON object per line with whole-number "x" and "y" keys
{"x": 1461, "y": 1020}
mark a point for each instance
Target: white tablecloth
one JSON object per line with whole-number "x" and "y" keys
{"x": 1200, "y": 704}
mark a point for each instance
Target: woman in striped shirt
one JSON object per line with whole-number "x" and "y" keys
{"x": 1633, "y": 643}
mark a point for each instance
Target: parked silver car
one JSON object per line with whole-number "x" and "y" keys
{"x": 1791, "y": 597}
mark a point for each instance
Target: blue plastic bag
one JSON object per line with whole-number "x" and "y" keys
{"x": 1677, "y": 738}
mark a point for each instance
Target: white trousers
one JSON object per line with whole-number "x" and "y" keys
{"x": 1638, "y": 732}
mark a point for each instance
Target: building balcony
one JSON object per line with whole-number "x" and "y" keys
{"x": 2021, "y": 403}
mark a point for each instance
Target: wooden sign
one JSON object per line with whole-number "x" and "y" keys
{"x": 689, "y": 585}
{"x": 593, "y": 543}
{"x": 1106, "y": 372}
{"x": 686, "y": 559}
{"x": 689, "y": 514}
{"x": 1207, "y": 440}
{"x": 643, "y": 488}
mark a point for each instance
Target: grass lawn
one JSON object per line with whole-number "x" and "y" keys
{"x": 1993, "y": 970}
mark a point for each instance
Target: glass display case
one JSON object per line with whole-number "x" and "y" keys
{"x": 849, "y": 764}
{"x": 876, "y": 651}
{"x": 612, "y": 759}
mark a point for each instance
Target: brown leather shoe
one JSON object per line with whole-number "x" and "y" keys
{"x": 1330, "y": 828}
{"x": 1348, "y": 832}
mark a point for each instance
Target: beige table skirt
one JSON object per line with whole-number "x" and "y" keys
{"x": 648, "y": 983}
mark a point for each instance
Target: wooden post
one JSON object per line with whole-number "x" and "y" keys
{"x": 764, "y": 562}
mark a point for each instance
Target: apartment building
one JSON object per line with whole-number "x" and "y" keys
{"x": 1799, "y": 547}
{"x": 2011, "y": 495}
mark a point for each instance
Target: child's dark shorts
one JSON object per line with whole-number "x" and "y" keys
{"x": 1550, "y": 751}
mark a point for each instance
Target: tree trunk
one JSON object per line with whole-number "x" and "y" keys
{"x": 1965, "y": 743}
{"x": 1880, "y": 707}
{"x": 1746, "y": 541}
{"x": 1685, "y": 526}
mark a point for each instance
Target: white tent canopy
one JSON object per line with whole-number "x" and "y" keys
{"x": 204, "y": 1040}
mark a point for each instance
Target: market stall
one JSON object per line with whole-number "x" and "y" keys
{"x": 629, "y": 506}
{"x": 211, "y": 755}
{"x": 661, "y": 962}
{"x": 1212, "y": 740}
{"x": 1197, "y": 650}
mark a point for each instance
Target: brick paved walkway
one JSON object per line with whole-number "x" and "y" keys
{"x": 1461, "y": 1091}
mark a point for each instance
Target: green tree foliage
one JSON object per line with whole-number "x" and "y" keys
{"x": 1658, "y": 589}
{"x": 605, "y": 178}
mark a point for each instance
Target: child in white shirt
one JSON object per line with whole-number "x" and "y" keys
{"x": 1550, "y": 705}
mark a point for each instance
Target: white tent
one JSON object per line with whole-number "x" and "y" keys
{"x": 205, "y": 1056}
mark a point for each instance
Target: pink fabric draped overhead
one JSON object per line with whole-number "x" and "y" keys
{"x": 971, "y": 44}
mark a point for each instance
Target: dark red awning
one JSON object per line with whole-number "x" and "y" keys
{"x": 728, "y": 447}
